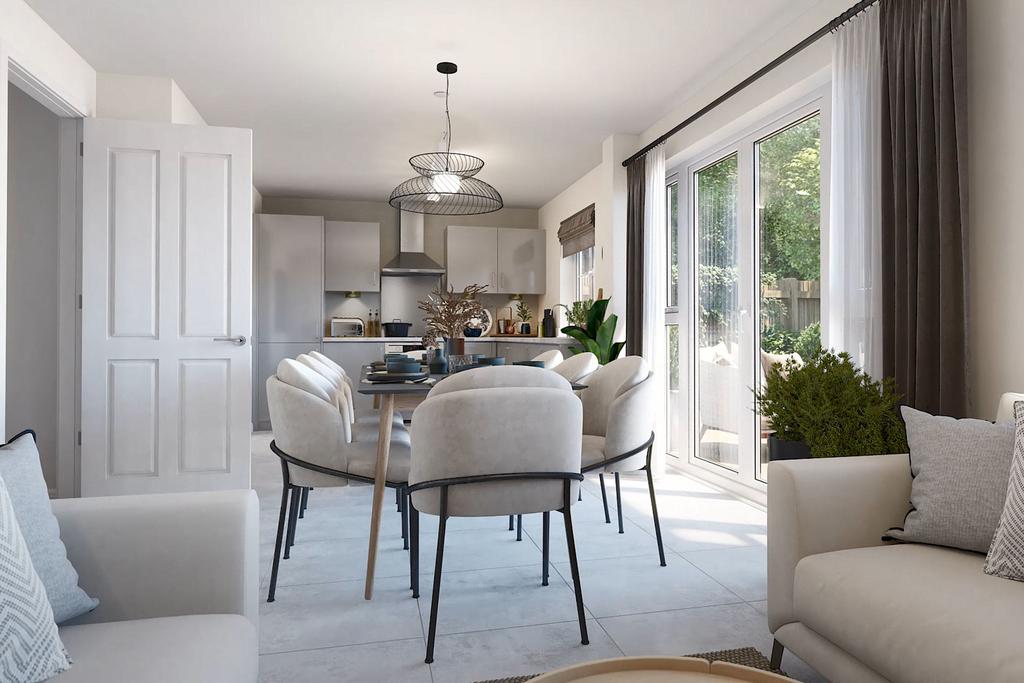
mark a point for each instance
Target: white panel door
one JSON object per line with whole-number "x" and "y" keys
{"x": 166, "y": 307}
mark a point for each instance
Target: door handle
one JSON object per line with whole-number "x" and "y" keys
{"x": 238, "y": 341}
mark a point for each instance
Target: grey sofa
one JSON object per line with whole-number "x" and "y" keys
{"x": 858, "y": 610}
{"x": 177, "y": 578}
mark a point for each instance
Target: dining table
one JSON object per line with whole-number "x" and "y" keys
{"x": 391, "y": 397}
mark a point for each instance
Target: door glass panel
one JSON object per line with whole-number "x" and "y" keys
{"x": 719, "y": 382}
{"x": 675, "y": 403}
{"x": 672, "y": 277}
{"x": 788, "y": 186}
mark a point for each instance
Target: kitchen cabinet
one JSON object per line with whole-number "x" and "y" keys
{"x": 289, "y": 278}
{"x": 472, "y": 257}
{"x": 507, "y": 260}
{"x": 521, "y": 261}
{"x": 351, "y": 256}
{"x": 267, "y": 357}
{"x": 484, "y": 348}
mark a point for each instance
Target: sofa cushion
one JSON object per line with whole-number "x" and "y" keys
{"x": 208, "y": 648}
{"x": 960, "y": 470}
{"x": 20, "y": 469}
{"x": 914, "y": 613}
{"x": 1006, "y": 556}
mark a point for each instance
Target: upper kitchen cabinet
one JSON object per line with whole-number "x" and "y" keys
{"x": 507, "y": 260}
{"x": 521, "y": 266}
{"x": 289, "y": 278}
{"x": 472, "y": 257}
{"x": 351, "y": 256}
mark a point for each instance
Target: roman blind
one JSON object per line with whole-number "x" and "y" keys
{"x": 576, "y": 232}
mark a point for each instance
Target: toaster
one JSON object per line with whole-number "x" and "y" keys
{"x": 347, "y": 327}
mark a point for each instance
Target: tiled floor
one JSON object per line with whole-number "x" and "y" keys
{"x": 495, "y": 618}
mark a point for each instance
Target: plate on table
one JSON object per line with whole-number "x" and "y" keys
{"x": 383, "y": 376}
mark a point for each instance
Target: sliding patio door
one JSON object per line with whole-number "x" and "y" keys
{"x": 750, "y": 283}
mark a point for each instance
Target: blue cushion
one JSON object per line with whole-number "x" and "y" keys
{"x": 21, "y": 471}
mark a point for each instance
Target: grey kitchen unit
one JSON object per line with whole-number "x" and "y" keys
{"x": 507, "y": 260}
{"x": 351, "y": 256}
{"x": 517, "y": 350}
{"x": 288, "y": 296}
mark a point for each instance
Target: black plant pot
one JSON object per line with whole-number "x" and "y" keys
{"x": 780, "y": 449}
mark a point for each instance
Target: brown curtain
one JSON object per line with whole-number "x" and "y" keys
{"x": 576, "y": 232}
{"x": 924, "y": 202}
{"x": 635, "y": 182}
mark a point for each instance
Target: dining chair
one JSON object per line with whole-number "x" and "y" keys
{"x": 618, "y": 429}
{"x": 312, "y": 440}
{"x": 370, "y": 420}
{"x": 577, "y": 368}
{"x": 467, "y": 463}
{"x": 550, "y": 358}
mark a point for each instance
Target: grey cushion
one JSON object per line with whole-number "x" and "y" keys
{"x": 211, "y": 648}
{"x": 20, "y": 469}
{"x": 1006, "y": 556}
{"x": 30, "y": 649}
{"x": 960, "y": 470}
{"x": 362, "y": 459}
{"x": 914, "y": 613}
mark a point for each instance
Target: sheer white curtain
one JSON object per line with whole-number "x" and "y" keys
{"x": 655, "y": 259}
{"x": 854, "y": 308}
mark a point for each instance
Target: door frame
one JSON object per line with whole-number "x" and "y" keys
{"x": 69, "y": 259}
{"x": 743, "y": 483}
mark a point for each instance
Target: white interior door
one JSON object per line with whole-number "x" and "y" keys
{"x": 166, "y": 307}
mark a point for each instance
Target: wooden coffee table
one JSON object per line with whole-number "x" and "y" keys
{"x": 659, "y": 670}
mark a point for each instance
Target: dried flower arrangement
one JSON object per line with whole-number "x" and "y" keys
{"x": 448, "y": 312}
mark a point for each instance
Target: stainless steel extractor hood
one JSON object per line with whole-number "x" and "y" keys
{"x": 411, "y": 259}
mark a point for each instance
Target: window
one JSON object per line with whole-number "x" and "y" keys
{"x": 583, "y": 270}
{"x": 747, "y": 255}
{"x": 675, "y": 444}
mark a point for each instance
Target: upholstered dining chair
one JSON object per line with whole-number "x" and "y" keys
{"x": 312, "y": 440}
{"x": 331, "y": 368}
{"x": 618, "y": 429}
{"x": 502, "y": 376}
{"x": 577, "y": 368}
{"x": 469, "y": 464}
{"x": 549, "y": 358}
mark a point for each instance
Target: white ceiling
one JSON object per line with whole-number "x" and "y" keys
{"x": 339, "y": 94}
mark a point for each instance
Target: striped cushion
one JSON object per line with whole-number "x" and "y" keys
{"x": 1006, "y": 555}
{"x": 30, "y": 647}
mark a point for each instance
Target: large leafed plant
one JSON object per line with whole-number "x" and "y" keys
{"x": 598, "y": 334}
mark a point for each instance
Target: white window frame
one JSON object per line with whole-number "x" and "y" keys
{"x": 576, "y": 261}
{"x": 745, "y": 481}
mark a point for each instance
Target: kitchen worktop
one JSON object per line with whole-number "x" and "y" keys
{"x": 418, "y": 340}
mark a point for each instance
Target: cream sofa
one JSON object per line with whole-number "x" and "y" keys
{"x": 177, "y": 578}
{"x": 858, "y": 610}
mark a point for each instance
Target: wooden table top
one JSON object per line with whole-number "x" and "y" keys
{"x": 411, "y": 388}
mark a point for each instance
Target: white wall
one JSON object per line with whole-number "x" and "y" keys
{"x": 576, "y": 197}
{"x": 33, "y": 276}
{"x": 996, "y": 112}
{"x": 143, "y": 98}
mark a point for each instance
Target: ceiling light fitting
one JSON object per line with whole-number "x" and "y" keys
{"x": 446, "y": 184}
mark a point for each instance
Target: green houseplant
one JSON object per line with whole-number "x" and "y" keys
{"x": 832, "y": 407}
{"x": 577, "y": 312}
{"x": 598, "y": 334}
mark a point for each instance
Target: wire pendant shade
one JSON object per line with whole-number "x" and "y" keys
{"x": 445, "y": 184}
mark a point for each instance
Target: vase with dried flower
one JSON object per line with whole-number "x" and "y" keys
{"x": 448, "y": 313}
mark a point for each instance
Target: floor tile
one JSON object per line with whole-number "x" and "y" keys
{"x": 686, "y": 631}
{"x": 497, "y": 598}
{"x": 761, "y": 606}
{"x": 742, "y": 570}
{"x": 400, "y": 660}
{"x": 468, "y": 657}
{"x": 332, "y": 614}
{"x": 630, "y": 585}
{"x": 596, "y": 540}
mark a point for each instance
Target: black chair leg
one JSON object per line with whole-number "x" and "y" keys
{"x": 442, "y": 521}
{"x": 654, "y": 509}
{"x": 511, "y": 522}
{"x": 281, "y": 519}
{"x": 545, "y": 549}
{"x": 404, "y": 504}
{"x": 604, "y": 499}
{"x": 293, "y": 518}
{"x": 777, "y": 651}
{"x": 618, "y": 502}
{"x": 305, "y": 499}
{"x": 414, "y": 549}
{"x": 398, "y": 500}
{"x": 573, "y": 564}
{"x": 519, "y": 527}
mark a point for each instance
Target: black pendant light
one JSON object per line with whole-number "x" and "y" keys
{"x": 446, "y": 184}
